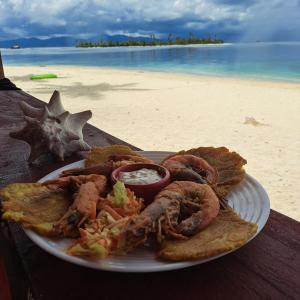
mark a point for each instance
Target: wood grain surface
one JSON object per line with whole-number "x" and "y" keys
{"x": 266, "y": 268}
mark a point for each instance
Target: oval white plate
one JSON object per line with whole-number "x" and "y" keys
{"x": 249, "y": 200}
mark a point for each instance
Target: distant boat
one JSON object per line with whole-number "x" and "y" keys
{"x": 15, "y": 47}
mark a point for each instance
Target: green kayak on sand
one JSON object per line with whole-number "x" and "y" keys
{"x": 43, "y": 76}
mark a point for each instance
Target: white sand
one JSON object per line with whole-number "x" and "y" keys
{"x": 161, "y": 111}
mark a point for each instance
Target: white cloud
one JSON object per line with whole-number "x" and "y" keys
{"x": 257, "y": 19}
{"x": 58, "y": 35}
{"x": 51, "y": 12}
{"x": 138, "y": 33}
{"x": 195, "y": 25}
{"x": 16, "y": 32}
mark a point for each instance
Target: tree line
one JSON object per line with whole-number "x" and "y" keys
{"x": 153, "y": 41}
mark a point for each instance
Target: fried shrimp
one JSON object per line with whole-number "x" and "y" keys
{"x": 180, "y": 210}
{"x": 88, "y": 190}
{"x": 191, "y": 168}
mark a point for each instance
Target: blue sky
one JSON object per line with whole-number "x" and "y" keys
{"x": 232, "y": 20}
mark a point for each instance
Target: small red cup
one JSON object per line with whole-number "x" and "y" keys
{"x": 146, "y": 191}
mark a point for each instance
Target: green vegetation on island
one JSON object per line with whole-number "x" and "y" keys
{"x": 152, "y": 41}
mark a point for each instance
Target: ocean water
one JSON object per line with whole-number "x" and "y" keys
{"x": 272, "y": 61}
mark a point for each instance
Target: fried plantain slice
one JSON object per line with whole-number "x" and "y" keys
{"x": 228, "y": 164}
{"x": 227, "y": 232}
{"x": 34, "y": 205}
{"x": 98, "y": 155}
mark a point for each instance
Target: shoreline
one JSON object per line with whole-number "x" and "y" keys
{"x": 169, "y": 72}
{"x": 170, "y": 112}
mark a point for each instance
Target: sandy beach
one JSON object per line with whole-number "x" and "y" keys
{"x": 162, "y": 111}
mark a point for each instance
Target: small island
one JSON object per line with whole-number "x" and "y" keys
{"x": 152, "y": 41}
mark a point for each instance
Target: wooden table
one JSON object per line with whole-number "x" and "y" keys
{"x": 268, "y": 267}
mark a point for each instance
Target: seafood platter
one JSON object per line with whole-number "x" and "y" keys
{"x": 141, "y": 211}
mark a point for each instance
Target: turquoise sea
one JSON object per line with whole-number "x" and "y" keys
{"x": 275, "y": 61}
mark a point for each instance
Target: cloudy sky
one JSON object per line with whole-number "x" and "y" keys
{"x": 232, "y": 20}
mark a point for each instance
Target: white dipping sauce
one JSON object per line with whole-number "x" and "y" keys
{"x": 142, "y": 176}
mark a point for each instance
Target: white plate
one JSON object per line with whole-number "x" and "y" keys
{"x": 249, "y": 200}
